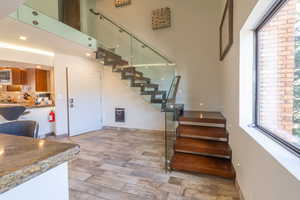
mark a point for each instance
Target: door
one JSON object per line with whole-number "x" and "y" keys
{"x": 84, "y": 100}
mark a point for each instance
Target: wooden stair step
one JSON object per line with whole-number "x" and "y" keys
{"x": 203, "y": 117}
{"x": 125, "y": 71}
{"x": 157, "y": 101}
{"x": 123, "y": 63}
{"x": 150, "y": 85}
{"x": 142, "y": 78}
{"x": 153, "y": 92}
{"x": 203, "y": 147}
{"x": 133, "y": 77}
{"x": 203, "y": 132}
{"x": 203, "y": 164}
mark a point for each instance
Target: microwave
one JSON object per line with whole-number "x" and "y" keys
{"x": 5, "y": 77}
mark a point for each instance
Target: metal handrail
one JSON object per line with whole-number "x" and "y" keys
{"x": 175, "y": 84}
{"x": 123, "y": 29}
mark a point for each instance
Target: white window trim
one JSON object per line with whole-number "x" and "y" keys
{"x": 246, "y": 90}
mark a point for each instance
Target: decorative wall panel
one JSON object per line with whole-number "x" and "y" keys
{"x": 161, "y": 18}
{"x": 120, "y": 3}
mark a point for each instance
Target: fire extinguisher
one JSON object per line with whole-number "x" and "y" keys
{"x": 51, "y": 116}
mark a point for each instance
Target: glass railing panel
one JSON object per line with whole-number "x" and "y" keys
{"x": 39, "y": 20}
{"x": 114, "y": 38}
{"x": 89, "y": 22}
{"x": 49, "y": 8}
{"x": 170, "y": 137}
{"x": 143, "y": 54}
{"x": 152, "y": 65}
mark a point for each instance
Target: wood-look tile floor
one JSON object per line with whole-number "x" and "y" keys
{"x": 129, "y": 165}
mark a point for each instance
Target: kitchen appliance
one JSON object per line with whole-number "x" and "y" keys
{"x": 5, "y": 77}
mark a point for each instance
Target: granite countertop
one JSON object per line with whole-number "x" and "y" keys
{"x": 23, "y": 158}
{"x": 29, "y": 106}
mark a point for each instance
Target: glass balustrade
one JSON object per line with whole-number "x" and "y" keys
{"x": 136, "y": 52}
{"x": 45, "y": 15}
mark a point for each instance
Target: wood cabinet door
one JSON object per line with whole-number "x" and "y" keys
{"x": 16, "y": 76}
{"x": 41, "y": 80}
{"x": 23, "y": 77}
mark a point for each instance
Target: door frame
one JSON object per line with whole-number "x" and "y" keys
{"x": 68, "y": 99}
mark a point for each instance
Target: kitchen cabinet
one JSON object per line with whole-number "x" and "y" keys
{"x": 19, "y": 76}
{"x": 41, "y": 80}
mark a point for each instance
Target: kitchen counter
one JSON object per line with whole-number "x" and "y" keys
{"x": 23, "y": 159}
{"x": 39, "y": 106}
{"x": 29, "y": 106}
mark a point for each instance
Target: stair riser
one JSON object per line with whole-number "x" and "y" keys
{"x": 208, "y": 172}
{"x": 202, "y": 124}
{"x": 204, "y": 138}
{"x": 213, "y": 121}
{"x": 204, "y": 154}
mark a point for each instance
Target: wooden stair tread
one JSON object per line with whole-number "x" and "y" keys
{"x": 202, "y": 116}
{"x": 204, "y": 147}
{"x": 202, "y": 164}
{"x": 157, "y": 101}
{"x": 155, "y": 92}
{"x": 193, "y": 131}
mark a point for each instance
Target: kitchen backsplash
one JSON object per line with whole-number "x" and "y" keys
{"x": 25, "y": 95}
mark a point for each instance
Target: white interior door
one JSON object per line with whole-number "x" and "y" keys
{"x": 84, "y": 100}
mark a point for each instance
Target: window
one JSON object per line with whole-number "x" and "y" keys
{"x": 278, "y": 74}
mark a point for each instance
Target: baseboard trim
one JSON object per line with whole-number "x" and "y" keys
{"x": 238, "y": 188}
{"x": 131, "y": 129}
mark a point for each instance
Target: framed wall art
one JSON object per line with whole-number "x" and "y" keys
{"x": 161, "y": 18}
{"x": 226, "y": 30}
{"x": 121, "y": 3}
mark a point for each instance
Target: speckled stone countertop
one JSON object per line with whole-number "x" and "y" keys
{"x": 22, "y": 158}
{"x": 28, "y": 106}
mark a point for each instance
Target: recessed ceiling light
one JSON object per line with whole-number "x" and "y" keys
{"x": 23, "y": 38}
{"x": 88, "y": 54}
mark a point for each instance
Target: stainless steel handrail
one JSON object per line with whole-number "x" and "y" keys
{"x": 123, "y": 29}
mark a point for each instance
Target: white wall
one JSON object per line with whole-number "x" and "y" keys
{"x": 139, "y": 113}
{"x": 192, "y": 42}
{"x": 260, "y": 176}
{"x": 61, "y": 62}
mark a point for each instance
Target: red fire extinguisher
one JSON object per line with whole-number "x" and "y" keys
{"x": 52, "y": 116}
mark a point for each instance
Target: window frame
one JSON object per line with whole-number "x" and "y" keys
{"x": 271, "y": 13}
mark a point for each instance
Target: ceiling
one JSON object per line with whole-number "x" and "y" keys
{"x": 11, "y": 30}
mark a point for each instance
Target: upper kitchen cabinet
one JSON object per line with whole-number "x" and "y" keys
{"x": 19, "y": 76}
{"x": 41, "y": 80}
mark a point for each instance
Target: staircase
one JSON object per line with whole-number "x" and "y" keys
{"x": 202, "y": 149}
{"x": 192, "y": 147}
{"x": 136, "y": 78}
